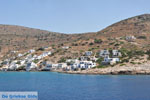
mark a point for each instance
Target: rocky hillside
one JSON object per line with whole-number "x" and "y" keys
{"x": 19, "y": 38}
{"x": 137, "y": 25}
{"x": 23, "y": 38}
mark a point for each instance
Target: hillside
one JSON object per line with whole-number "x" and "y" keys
{"x": 19, "y": 38}
{"x": 133, "y": 26}
{"x": 22, "y": 38}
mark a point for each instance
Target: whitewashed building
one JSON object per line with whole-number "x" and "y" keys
{"x": 31, "y": 51}
{"x": 31, "y": 66}
{"x": 108, "y": 60}
{"x": 88, "y": 53}
{"x": 20, "y": 55}
{"x": 130, "y": 38}
{"x": 116, "y": 53}
{"x": 65, "y": 47}
{"x": 104, "y": 53}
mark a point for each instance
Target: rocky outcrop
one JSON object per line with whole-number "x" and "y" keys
{"x": 117, "y": 70}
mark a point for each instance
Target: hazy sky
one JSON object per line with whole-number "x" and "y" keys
{"x": 69, "y": 16}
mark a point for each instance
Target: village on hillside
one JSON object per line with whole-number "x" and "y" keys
{"x": 31, "y": 62}
{"x": 36, "y": 60}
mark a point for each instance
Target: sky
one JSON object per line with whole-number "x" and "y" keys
{"x": 70, "y": 16}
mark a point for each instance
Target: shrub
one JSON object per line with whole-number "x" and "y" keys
{"x": 123, "y": 52}
{"x": 148, "y": 52}
{"x": 122, "y": 64}
{"x": 41, "y": 49}
{"x": 18, "y": 62}
{"x": 139, "y": 63}
{"x": 111, "y": 43}
{"x": 99, "y": 61}
{"x": 125, "y": 60}
{"x": 132, "y": 62}
{"x": 36, "y": 61}
{"x": 116, "y": 44}
{"x": 141, "y": 37}
{"x": 148, "y": 58}
{"x": 91, "y": 43}
{"x": 74, "y": 44}
{"x": 102, "y": 66}
{"x": 98, "y": 41}
{"x": 62, "y": 60}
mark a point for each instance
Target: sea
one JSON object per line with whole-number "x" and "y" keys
{"x": 59, "y": 86}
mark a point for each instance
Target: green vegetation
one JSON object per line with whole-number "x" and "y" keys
{"x": 129, "y": 54}
{"x": 148, "y": 53}
{"x": 125, "y": 60}
{"x": 98, "y": 41}
{"x": 141, "y": 37}
{"x": 91, "y": 49}
{"x": 36, "y": 61}
{"x": 62, "y": 60}
{"x": 132, "y": 62}
{"x": 139, "y": 63}
{"x": 18, "y": 62}
{"x": 121, "y": 42}
{"x": 117, "y": 44}
{"x": 122, "y": 64}
{"x": 91, "y": 43}
{"x": 111, "y": 43}
{"x": 99, "y": 61}
{"x": 74, "y": 44}
{"x": 135, "y": 53}
{"x": 26, "y": 54}
{"x": 41, "y": 49}
{"x": 101, "y": 66}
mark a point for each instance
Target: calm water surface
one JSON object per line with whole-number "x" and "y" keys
{"x": 55, "y": 86}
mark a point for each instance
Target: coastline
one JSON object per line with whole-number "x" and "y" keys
{"x": 143, "y": 69}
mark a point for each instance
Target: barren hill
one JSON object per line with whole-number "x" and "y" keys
{"x": 18, "y": 37}
{"x": 133, "y": 26}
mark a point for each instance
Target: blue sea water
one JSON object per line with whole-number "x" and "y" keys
{"x": 57, "y": 86}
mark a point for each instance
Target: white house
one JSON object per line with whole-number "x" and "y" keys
{"x": 28, "y": 57}
{"x": 31, "y": 66}
{"x": 47, "y": 65}
{"x": 72, "y": 60}
{"x": 130, "y": 38}
{"x": 22, "y": 62}
{"x": 83, "y": 65}
{"x": 87, "y": 64}
{"x": 31, "y": 51}
{"x": 116, "y": 53}
{"x": 84, "y": 58}
{"x": 93, "y": 58}
{"x": 54, "y": 66}
{"x": 62, "y": 65}
{"x": 20, "y": 55}
{"x": 104, "y": 53}
{"x": 88, "y": 53}
{"x": 108, "y": 60}
{"x": 65, "y": 47}
{"x": 44, "y": 55}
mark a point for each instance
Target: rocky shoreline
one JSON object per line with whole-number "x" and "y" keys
{"x": 143, "y": 69}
